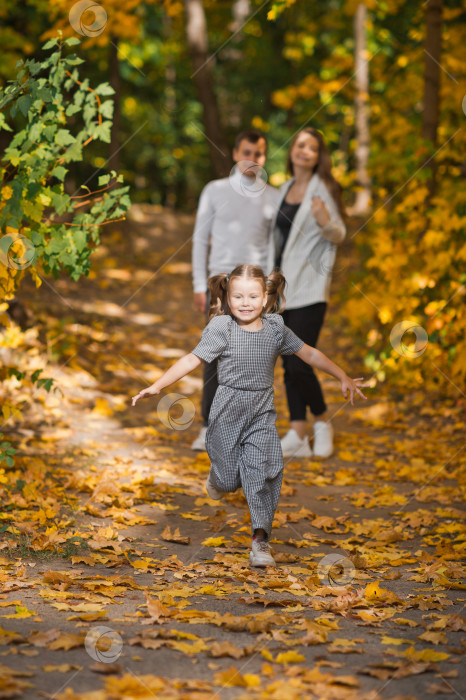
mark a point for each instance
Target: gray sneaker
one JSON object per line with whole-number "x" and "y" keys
{"x": 260, "y": 554}
{"x": 199, "y": 442}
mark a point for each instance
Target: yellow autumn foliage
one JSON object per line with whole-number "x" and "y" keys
{"x": 413, "y": 248}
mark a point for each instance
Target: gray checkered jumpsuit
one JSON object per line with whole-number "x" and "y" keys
{"x": 242, "y": 440}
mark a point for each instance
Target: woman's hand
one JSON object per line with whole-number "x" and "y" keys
{"x": 352, "y": 386}
{"x": 320, "y": 211}
{"x": 145, "y": 394}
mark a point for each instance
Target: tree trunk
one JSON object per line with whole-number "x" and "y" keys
{"x": 115, "y": 81}
{"x": 433, "y": 50}
{"x": 361, "y": 107}
{"x": 241, "y": 9}
{"x": 196, "y": 34}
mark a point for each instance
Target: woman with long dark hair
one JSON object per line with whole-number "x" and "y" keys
{"x": 308, "y": 227}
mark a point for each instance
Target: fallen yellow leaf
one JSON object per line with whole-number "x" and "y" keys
{"x": 289, "y": 657}
{"x": 215, "y": 542}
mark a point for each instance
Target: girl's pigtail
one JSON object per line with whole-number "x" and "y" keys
{"x": 218, "y": 287}
{"x": 275, "y": 289}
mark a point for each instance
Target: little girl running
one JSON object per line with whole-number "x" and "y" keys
{"x": 247, "y": 335}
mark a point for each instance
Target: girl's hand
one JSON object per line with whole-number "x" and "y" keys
{"x": 320, "y": 211}
{"x": 145, "y": 394}
{"x": 352, "y": 385}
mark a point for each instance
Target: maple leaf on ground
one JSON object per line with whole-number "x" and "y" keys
{"x": 219, "y": 649}
{"x": 215, "y": 542}
{"x": 188, "y": 648}
{"x": 66, "y": 641}
{"x": 433, "y": 637}
{"x": 156, "y": 610}
{"x": 425, "y": 654}
{"x": 176, "y": 537}
{"x": 289, "y": 657}
{"x": 380, "y": 596}
{"x": 21, "y": 613}
{"x": 346, "y": 646}
{"x": 42, "y": 638}
{"x": 232, "y": 677}
{"x": 61, "y": 580}
{"x": 449, "y": 622}
{"x": 12, "y": 687}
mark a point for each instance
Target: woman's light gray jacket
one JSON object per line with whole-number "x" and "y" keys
{"x": 310, "y": 250}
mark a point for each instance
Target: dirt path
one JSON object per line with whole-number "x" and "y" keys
{"x": 88, "y": 550}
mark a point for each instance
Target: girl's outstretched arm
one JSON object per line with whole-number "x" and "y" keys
{"x": 181, "y": 368}
{"x": 315, "y": 358}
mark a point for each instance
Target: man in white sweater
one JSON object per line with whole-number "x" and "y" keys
{"x": 233, "y": 226}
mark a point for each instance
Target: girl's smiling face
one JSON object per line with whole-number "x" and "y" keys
{"x": 246, "y": 299}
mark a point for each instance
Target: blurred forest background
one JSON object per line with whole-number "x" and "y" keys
{"x": 188, "y": 75}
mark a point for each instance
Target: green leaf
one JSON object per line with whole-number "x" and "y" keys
{"x": 106, "y": 109}
{"x": 74, "y": 60}
{"x": 104, "y": 89}
{"x": 72, "y": 109}
{"x": 33, "y": 210}
{"x": 64, "y": 138}
{"x": 45, "y": 383}
{"x": 3, "y": 124}
{"x": 73, "y": 153}
{"x": 57, "y": 116}
{"x": 24, "y": 104}
{"x": 50, "y": 44}
{"x": 35, "y": 131}
{"x": 59, "y": 171}
{"x": 104, "y": 180}
{"x": 102, "y": 132}
{"x": 60, "y": 201}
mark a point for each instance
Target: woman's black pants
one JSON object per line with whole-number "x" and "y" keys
{"x": 302, "y": 386}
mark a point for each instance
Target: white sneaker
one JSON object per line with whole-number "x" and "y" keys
{"x": 260, "y": 554}
{"x": 293, "y": 446}
{"x": 214, "y": 493}
{"x": 323, "y": 439}
{"x": 199, "y": 442}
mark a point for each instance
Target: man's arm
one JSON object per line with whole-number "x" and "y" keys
{"x": 201, "y": 237}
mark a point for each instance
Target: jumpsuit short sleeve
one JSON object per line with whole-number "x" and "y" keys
{"x": 288, "y": 343}
{"x": 214, "y": 340}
